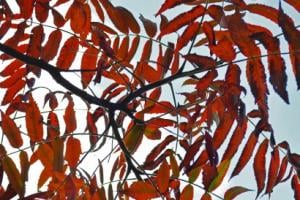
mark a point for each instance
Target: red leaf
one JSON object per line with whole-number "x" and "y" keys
{"x": 191, "y": 153}
{"x": 223, "y": 129}
{"x": 259, "y": 166}
{"x": 73, "y": 151}
{"x": 98, "y": 9}
{"x": 209, "y": 32}
{"x": 216, "y": 12}
{"x": 163, "y": 176}
{"x": 13, "y": 175}
{"x": 224, "y": 50}
{"x": 206, "y": 196}
{"x": 292, "y": 35}
{"x": 149, "y": 26}
{"x": 159, "y": 148}
{"x": 141, "y": 190}
{"x": 41, "y": 11}
{"x": 50, "y": 49}
{"x": 240, "y": 35}
{"x": 88, "y": 65}
{"x": 182, "y": 19}
{"x": 128, "y": 17}
{"x": 236, "y": 139}
{"x": 17, "y": 75}
{"x": 11, "y": 131}
{"x": 231, "y": 193}
{"x": 246, "y": 154}
{"x": 296, "y": 186}
{"x": 52, "y": 126}
{"x": 70, "y": 117}
{"x": 12, "y": 91}
{"x": 58, "y": 19}
{"x": 206, "y": 80}
{"x": 67, "y": 53}
{"x": 35, "y": 41}
{"x": 160, "y": 122}
{"x": 45, "y": 154}
{"x": 187, "y": 35}
{"x": 10, "y": 68}
{"x": 122, "y": 51}
{"x": 282, "y": 170}
{"x": 273, "y": 170}
{"x": 187, "y": 193}
{"x": 264, "y": 10}
{"x": 167, "y": 5}
{"x": 34, "y": 121}
{"x": 133, "y": 48}
{"x": 203, "y": 62}
{"x": 294, "y": 3}
{"x": 26, "y": 8}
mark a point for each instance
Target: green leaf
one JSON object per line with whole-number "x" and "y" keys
{"x": 222, "y": 170}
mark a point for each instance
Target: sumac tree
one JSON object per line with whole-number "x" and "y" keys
{"x": 160, "y": 100}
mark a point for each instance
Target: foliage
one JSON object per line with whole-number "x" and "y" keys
{"x": 139, "y": 87}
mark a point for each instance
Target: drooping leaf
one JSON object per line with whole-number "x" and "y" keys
{"x": 13, "y": 175}
{"x": 292, "y": 35}
{"x": 67, "y": 53}
{"x": 41, "y": 11}
{"x": 235, "y": 139}
{"x": 88, "y": 65}
{"x": 246, "y": 154}
{"x": 70, "y": 117}
{"x": 264, "y": 10}
{"x": 44, "y": 153}
{"x": 206, "y": 196}
{"x": 26, "y": 8}
{"x": 187, "y": 193}
{"x": 259, "y": 166}
{"x": 98, "y": 9}
{"x": 150, "y": 26}
{"x": 163, "y": 176}
{"x": 134, "y": 137}
{"x": 282, "y": 170}
{"x": 11, "y": 131}
{"x": 187, "y": 35}
{"x": 224, "y": 50}
{"x": 273, "y": 170}
{"x": 73, "y": 151}
{"x": 12, "y": 91}
{"x": 53, "y": 126}
{"x": 50, "y": 49}
{"x": 58, "y": 19}
{"x": 167, "y": 5}
{"x": 128, "y": 17}
{"x": 191, "y": 152}
{"x": 34, "y": 121}
{"x": 296, "y": 186}
{"x": 294, "y": 3}
{"x": 222, "y": 170}
{"x": 182, "y": 19}
{"x": 233, "y": 192}
{"x": 24, "y": 163}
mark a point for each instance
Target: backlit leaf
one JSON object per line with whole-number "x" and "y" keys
{"x": 149, "y": 26}
{"x": 294, "y": 3}
{"x": 203, "y": 62}
{"x": 88, "y": 65}
{"x": 141, "y": 190}
{"x": 163, "y": 176}
{"x": 13, "y": 175}
{"x": 67, "y": 53}
{"x": 187, "y": 35}
{"x": 70, "y": 117}
{"x": 259, "y": 166}
{"x": 222, "y": 170}
{"x": 273, "y": 170}
{"x": 182, "y": 19}
{"x": 11, "y": 131}
{"x": 134, "y": 137}
{"x": 50, "y": 49}
{"x": 34, "y": 121}
{"x": 187, "y": 193}
{"x": 233, "y": 192}
{"x": 73, "y": 151}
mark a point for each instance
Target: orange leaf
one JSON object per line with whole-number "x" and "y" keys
{"x": 264, "y": 10}
{"x": 11, "y": 131}
{"x": 259, "y": 166}
{"x": 296, "y": 186}
{"x": 209, "y": 32}
{"x": 187, "y": 193}
{"x": 50, "y": 49}
{"x": 13, "y": 175}
{"x": 282, "y": 170}
{"x": 73, "y": 151}
{"x": 149, "y": 26}
{"x": 163, "y": 176}
{"x": 273, "y": 170}
{"x": 88, "y": 63}
{"x": 246, "y": 154}
{"x": 70, "y": 117}
{"x": 52, "y": 126}
{"x": 45, "y": 154}
{"x": 231, "y": 193}
{"x": 34, "y": 121}
{"x": 236, "y": 139}
{"x": 222, "y": 170}
{"x": 141, "y": 190}
{"x": 292, "y": 35}
{"x": 187, "y": 35}
{"x": 206, "y": 196}
{"x": 182, "y": 19}
{"x": 206, "y": 80}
